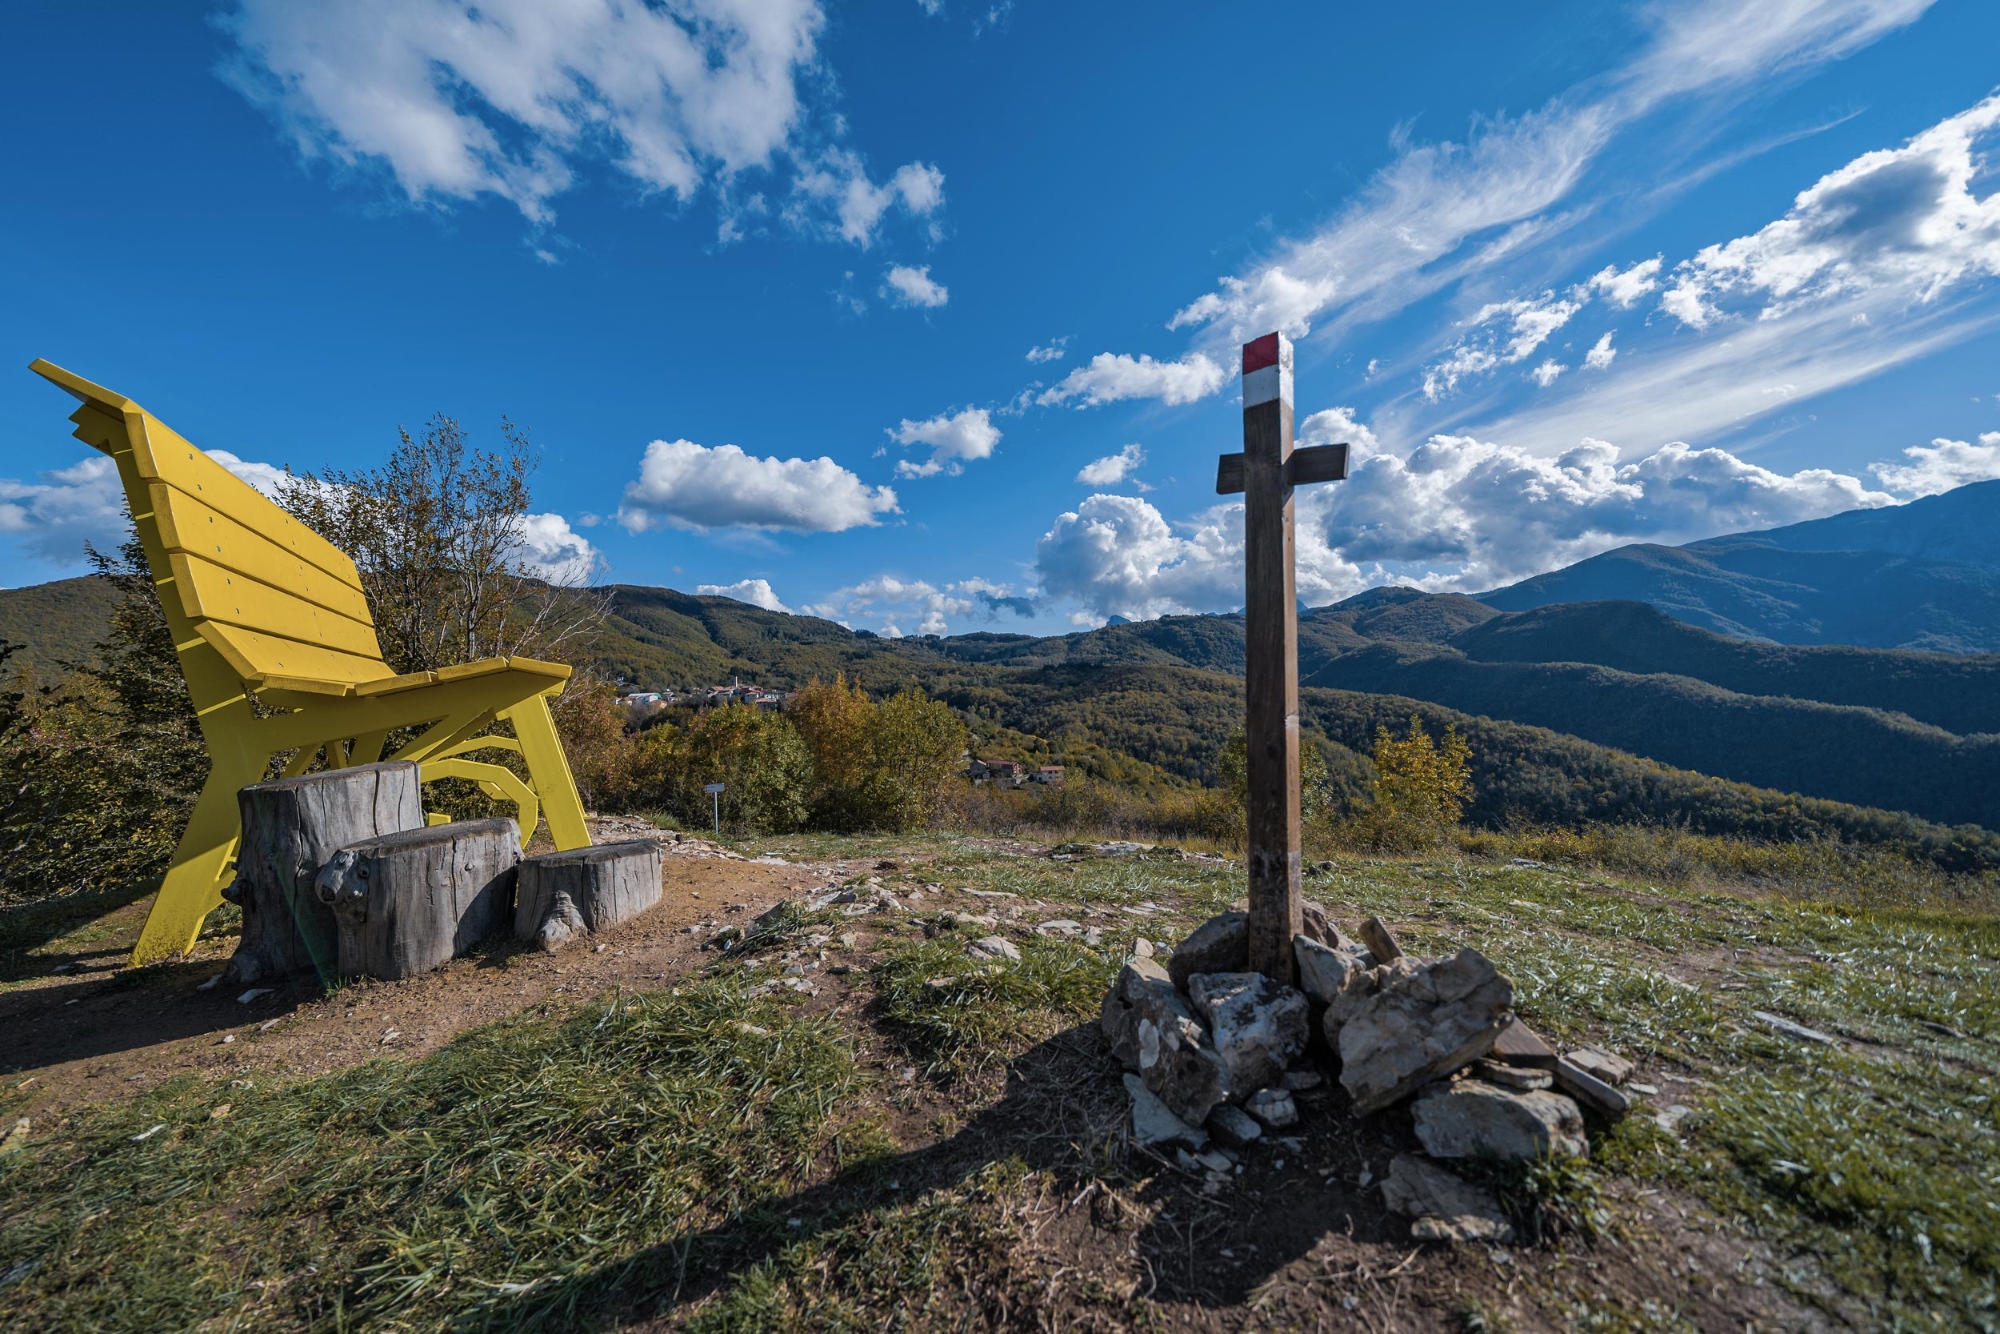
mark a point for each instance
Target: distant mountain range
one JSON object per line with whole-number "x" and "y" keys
{"x": 1892, "y": 728}
{"x": 1925, "y": 575}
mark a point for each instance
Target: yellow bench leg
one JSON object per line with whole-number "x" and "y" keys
{"x": 193, "y": 884}
{"x": 549, "y": 767}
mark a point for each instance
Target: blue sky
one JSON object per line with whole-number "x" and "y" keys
{"x": 923, "y": 314}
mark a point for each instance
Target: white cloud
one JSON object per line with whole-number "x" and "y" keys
{"x": 546, "y": 548}
{"x": 954, "y": 438}
{"x": 1528, "y": 323}
{"x": 914, "y": 287}
{"x": 1902, "y": 224}
{"x": 457, "y": 99}
{"x": 1601, "y": 354}
{"x": 1458, "y": 513}
{"x": 84, "y": 502}
{"x": 694, "y": 487}
{"x": 1624, "y": 290}
{"x": 1112, "y": 468}
{"x": 263, "y": 476}
{"x": 836, "y": 195}
{"x": 756, "y": 592}
{"x": 1714, "y": 42}
{"x": 1942, "y": 465}
{"x": 891, "y": 599}
{"x": 1053, "y": 350}
{"x": 1546, "y": 373}
{"x": 1339, "y": 426}
{"x": 1111, "y": 378}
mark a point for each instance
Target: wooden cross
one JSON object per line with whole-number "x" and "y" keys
{"x": 1265, "y": 472}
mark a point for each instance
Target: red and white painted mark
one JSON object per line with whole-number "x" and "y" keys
{"x": 1267, "y": 370}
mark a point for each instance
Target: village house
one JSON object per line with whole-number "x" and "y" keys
{"x": 1001, "y": 773}
{"x": 1049, "y": 775}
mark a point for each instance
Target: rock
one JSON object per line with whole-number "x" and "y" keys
{"x": 1324, "y": 971}
{"x": 1778, "y": 1024}
{"x": 1178, "y": 1063}
{"x": 1520, "y": 1078}
{"x": 1273, "y": 1107}
{"x": 1219, "y": 945}
{"x": 1059, "y": 927}
{"x": 1408, "y": 1022}
{"x": 17, "y": 1136}
{"x": 1600, "y": 1064}
{"x": 561, "y": 922}
{"x": 1142, "y": 948}
{"x": 1258, "y": 1025}
{"x": 1444, "y": 1207}
{"x": 995, "y": 947}
{"x": 1591, "y": 1091}
{"x": 1300, "y": 1081}
{"x": 1153, "y": 1122}
{"x": 255, "y": 994}
{"x": 1320, "y": 926}
{"x": 1471, "y": 1119}
{"x": 1669, "y": 1118}
{"x": 1142, "y": 991}
{"x": 1234, "y": 1126}
{"x": 1519, "y": 1045}
{"x": 1381, "y": 941}
{"x": 604, "y": 885}
{"x": 1217, "y": 1162}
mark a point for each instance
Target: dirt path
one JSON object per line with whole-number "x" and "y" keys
{"x": 103, "y": 1030}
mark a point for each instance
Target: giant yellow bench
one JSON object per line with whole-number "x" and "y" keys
{"x": 260, "y": 605}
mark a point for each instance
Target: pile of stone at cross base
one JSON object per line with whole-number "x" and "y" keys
{"x": 1219, "y": 1055}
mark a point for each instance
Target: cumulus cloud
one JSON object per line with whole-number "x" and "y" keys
{"x": 893, "y": 602}
{"x": 1601, "y": 354}
{"x": 512, "y": 98}
{"x": 1942, "y": 465}
{"x": 1111, "y": 378}
{"x": 547, "y": 548}
{"x": 1457, "y": 513}
{"x": 955, "y": 439}
{"x": 914, "y": 287}
{"x": 55, "y": 515}
{"x": 756, "y": 592}
{"x": 1339, "y": 426}
{"x": 1902, "y": 223}
{"x": 1053, "y": 350}
{"x": 1624, "y": 289}
{"x": 1112, "y": 468}
{"x": 1546, "y": 373}
{"x": 693, "y": 487}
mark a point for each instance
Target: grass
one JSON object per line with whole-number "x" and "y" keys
{"x": 570, "y": 1168}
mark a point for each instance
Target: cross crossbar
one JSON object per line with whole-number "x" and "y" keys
{"x": 1314, "y": 463}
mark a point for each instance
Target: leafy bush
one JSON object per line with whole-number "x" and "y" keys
{"x": 1421, "y": 789}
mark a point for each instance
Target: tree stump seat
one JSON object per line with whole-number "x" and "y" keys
{"x": 409, "y": 902}
{"x": 566, "y": 894}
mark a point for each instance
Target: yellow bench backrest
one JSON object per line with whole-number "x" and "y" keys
{"x": 272, "y": 597}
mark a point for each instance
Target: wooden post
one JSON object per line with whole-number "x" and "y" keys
{"x": 406, "y": 903}
{"x": 1265, "y": 473}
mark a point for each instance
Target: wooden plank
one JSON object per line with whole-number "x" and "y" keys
{"x": 1229, "y": 475}
{"x": 256, "y": 656}
{"x": 165, "y": 457}
{"x": 1271, "y": 689}
{"x": 1317, "y": 463}
{"x": 189, "y": 525}
{"x": 213, "y": 592}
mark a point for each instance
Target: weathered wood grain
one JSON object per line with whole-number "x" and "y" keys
{"x": 585, "y": 889}
{"x": 410, "y": 902}
{"x": 1271, "y": 689}
{"x": 291, "y": 827}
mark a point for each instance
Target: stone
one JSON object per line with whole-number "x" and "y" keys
{"x": 1600, "y": 1064}
{"x": 409, "y": 902}
{"x": 1320, "y": 926}
{"x": 1410, "y": 1021}
{"x": 1142, "y": 990}
{"x": 1274, "y": 1108}
{"x": 1380, "y": 940}
{"x": 291, "y": 828}
{"x": 1520, "y": 1045}
{"x": 1324, "y": 971}
{"x": 1301, "y": 1081}
{"x": 995, "y": 947}
{"x": 1234, "y": 1126}
{"x": 1062, "y": 926}
{"x": 1444, "y": 1208}
{"x": 1591, "y": 1091}
{"x": 1178, "y": 1063}
{"x": 1219, "y": 945}
{"x": 1259, "y": 1026}
{"x": 1216, "y": 1162}
{"x": 604, "y": 885}
{"x": 1777, "y": 1023}
{"x": 1520, "y": 1078}
{"x": 1472, "y": 1119}
{"x": 1142, "y": 948}
{"x": 1154, "y": 1123}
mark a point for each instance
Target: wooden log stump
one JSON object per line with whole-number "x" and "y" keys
{"x": 407, "y": 903}
{"x": 291, "y": 826}
{"x": 565, "y": 894}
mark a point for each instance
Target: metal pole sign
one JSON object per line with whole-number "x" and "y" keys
{"x": 714, "y": 791}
